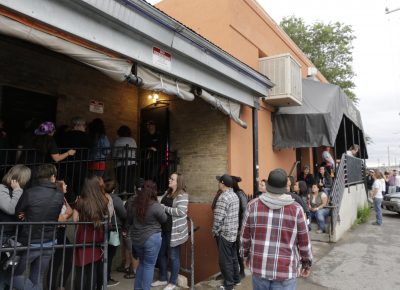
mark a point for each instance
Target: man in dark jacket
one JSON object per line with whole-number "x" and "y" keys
{"x": 41, "y": 203}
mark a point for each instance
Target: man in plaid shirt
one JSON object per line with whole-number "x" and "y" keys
{"x": 225, "y": 229}
{"x": 274, "y": 237}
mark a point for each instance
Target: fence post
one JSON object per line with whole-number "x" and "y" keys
{"x": 105, "y": 253}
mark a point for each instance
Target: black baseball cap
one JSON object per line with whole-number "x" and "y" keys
{"x": 225, "y": 180}
{"x": 277, "y": 181}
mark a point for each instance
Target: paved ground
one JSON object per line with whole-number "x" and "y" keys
{"x": 367, "y": 257}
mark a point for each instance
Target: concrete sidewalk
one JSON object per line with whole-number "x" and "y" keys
{"x": 367, "y": 257}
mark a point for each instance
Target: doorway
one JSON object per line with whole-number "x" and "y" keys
{"x": 155, "y": 165}
{"x": 20, "y": 107}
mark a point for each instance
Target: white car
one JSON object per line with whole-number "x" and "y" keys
{"x": 391, "y": 202}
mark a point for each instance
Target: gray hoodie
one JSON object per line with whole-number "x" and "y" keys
{"x": 276, "y": 201}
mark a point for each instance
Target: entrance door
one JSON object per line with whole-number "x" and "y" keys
{"x": 20, "y": 106}
{"x": 155, "y": 166}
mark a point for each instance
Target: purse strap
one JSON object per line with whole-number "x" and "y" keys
{"x": 115, "y": 218}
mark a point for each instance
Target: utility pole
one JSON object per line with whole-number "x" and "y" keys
{"x": 388, "y": 157}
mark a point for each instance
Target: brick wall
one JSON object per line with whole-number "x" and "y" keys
{"x": 37, "y": 69}
{"x": 199, "y": 134}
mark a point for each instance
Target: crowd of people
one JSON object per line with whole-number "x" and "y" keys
{"x": 267, "y": 231}
{"x": 151, "y": 230}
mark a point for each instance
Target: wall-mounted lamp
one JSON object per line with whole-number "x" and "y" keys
{"x": 154, "y": 97}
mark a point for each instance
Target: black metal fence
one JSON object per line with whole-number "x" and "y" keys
{"x": 53, "y": 255}
{"x": 130, "y": 165}
{"x": 354, "y": 170}
{"x": 349, "y": 172}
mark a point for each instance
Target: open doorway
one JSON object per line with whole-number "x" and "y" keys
{"x": 19, "y": 107}
{"x": 155, "y": 162}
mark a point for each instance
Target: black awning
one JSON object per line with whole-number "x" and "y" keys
{"x": 318, "y": 120}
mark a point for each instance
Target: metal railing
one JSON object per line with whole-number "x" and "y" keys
{"x": 57, "y": 262}
{"x": 188, "y": 250}
{"x": 349, "y": 172}
{"x": 130, "y": 165}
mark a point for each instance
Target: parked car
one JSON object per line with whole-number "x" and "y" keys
{"x": 392, "y": 202}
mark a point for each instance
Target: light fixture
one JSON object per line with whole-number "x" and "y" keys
{"x": 153, "y": 97}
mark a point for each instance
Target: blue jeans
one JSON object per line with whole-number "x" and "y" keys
{"x": 175, "y": 256}
{"x": 147, "y": 254}
{"x": 320, "y": 216}
{"x": 378, "y": 210}
{"x": 37, "y": 259}
{"x": 264, "y": 284}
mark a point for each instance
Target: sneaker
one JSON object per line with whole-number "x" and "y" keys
{"x": 111, "y": 282}
{"x": 238, "y": 283}
{"x": 319, "y": 232}
{"x": 375, "y": 224}
{"x": 222, "y": 287}
{"x": 170, "y": 286}
{"x": 159, "y": 283}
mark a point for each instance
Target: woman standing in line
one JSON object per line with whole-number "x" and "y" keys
{"x": 174, "y": 231}
{"x": 377, "y": 196}
{"x": 11, "y": 190}
{"x": 145, "y": 216}
{"x": 90, "y": 207}
{"x": 46, "y": 145}
{"x": 101, "y": 146}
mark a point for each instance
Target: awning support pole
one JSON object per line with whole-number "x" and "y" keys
{"x": 345, "y": 134}
{"x": 255, "y": 150}
{"x": 359, "y": 144}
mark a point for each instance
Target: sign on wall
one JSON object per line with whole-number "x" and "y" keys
{"x": 162, "y": 58}
{"x": 96, "y": 107}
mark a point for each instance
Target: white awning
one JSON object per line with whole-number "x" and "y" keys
{"x": 226, "y": 106}
{"x": 158, "y": 82}
{"x": 115, "y": 68}
{"x": 118, "y": 69}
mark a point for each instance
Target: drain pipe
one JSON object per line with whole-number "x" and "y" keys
{"x": 256, "y": 173}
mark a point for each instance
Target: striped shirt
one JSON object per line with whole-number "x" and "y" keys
{"x": 275, "y": 240}
{"x": 178, "y": 211}
{"x": 226, "y": 216}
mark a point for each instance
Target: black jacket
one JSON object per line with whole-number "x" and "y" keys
{"x": 326, "y": 180}
{"x": 39, "y": 203}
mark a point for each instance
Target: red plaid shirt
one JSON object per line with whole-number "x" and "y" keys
{"x": 275, "y": 240}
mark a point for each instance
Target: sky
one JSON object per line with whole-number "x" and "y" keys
{"x": 376, "y": 62}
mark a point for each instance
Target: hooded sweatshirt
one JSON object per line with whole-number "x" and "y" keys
{"x": 276, "y": 201}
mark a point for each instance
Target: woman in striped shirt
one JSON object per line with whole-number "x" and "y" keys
{"x": 174, "y": 231}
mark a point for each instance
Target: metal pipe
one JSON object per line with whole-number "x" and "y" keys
{"x": 255, "y": 150}
{"x": 345, "y": 134}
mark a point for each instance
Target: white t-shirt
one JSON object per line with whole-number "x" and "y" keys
{"x": 398, "y": 180}
{"x": 378, "y": 185}
{"x": 119, "y": 152}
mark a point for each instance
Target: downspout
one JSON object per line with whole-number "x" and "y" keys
{"x": 255, "y": 147}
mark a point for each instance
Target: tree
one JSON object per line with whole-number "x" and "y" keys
{"x": 328, "y": 46}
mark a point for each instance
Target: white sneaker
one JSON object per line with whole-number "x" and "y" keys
{"x": 170, "y": 287}
{"x": 159, "y": 283}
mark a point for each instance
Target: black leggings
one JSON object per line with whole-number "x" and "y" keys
{"x": 87, "y": 278}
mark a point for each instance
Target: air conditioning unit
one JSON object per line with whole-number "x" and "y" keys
{"x": 285, "y": 72}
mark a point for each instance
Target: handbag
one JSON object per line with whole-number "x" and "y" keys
{"x": 114, "y": 235}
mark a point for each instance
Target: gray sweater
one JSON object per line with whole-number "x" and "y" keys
{"x": 9, "y": 200}
{"x": 139, "y": 232}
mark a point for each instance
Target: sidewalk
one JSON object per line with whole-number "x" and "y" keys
{"x": 367, "y": 257}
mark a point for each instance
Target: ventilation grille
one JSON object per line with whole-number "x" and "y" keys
{"x": 285, "y": 73}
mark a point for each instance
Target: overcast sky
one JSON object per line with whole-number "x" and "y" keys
{"x": 376, "y": 62}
